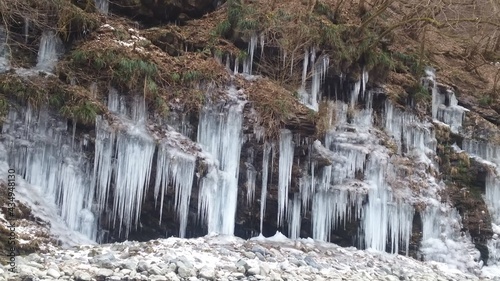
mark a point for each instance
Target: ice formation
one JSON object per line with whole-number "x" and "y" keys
{"x": 219, "y": 133}
{"x": 311, "y": 94}
{"x": 4, "y": 51}
{"x": 248, "y": 62}
{"x": 177, "y": 167}
{"x": 41, "y": 151}
{"x": 489, "y": 154}
{"x": 48, "y": 51}
{"x": 102, "y": 6}
{"x": 285, "y": 171}
{"x": 265, "y": 173}
{"x": 445, "y": 106}
{"x": 443, "y": 241}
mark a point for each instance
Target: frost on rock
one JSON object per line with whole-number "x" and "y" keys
{"x": 40, "y": 149}
{"x": 219, "y": 133}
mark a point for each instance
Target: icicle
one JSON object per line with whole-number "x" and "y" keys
{"x": 103, "y": 167}
{"x": 265, "y": 170}
{"x": 294, "y": 217}
{"x": 26, "y": 30}
{"x": 382, "y": 218}
{"x": 304, "y": 70}
{"x": 251, "y": 50}
{"x": 177, "y": 167}
{"x": 251, "y": 176}
{"x": 219, "y": 133}
{"x": 48, "y": 52}
{"x": 40, "y": 149}
{"x": 285, "y": 171}
{"x": 262, "y": 39}
{"x": 236, "y": 66}
{"x": 4, "y": 51}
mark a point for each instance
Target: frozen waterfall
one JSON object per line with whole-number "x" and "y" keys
{"x": 48, "y": 52}
{"x": 4, "y": 51}
{"x": 219, "y": 133}
{"x": 40, "y": 149}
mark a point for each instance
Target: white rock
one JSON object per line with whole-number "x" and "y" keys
{"x": 52, "y": 272}
{"x": 82, "y": 276}
{"x": 207, "y": 273}
{"x": 172, "y": 277}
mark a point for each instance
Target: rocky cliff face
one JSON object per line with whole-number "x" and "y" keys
{"x": 146, "y": 132}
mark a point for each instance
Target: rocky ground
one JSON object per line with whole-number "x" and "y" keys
{"x": 225, "y": 258}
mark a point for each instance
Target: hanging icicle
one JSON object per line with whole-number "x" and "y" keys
{"x": 285, "y": 171}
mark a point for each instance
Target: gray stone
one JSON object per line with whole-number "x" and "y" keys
{"x": 155, "y": 270}
{"x": 104, "y": 272}
{"x": 105, "y": 261}
{"x": 249, "y": 255}
{"x": 259, "y": 249}
{"x": 185, "y": 272}
{"x": 207, "y": 273}
{"x": 52, "y": 272}
{"x": 157, "y": 278}
{"x": 82, "y": 276}
{"x": 142, "y": 266}
{"x": 311, "y": 262}
{"x": 172, "y": 277}
{"x": 253, "y": 271}
{"x": 242, "y": 263}
{"x": 260, "y": 256}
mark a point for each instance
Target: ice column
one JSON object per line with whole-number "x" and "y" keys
{"x": 383, "y": 217}
{"x": 294, "y": 217}
{"x": 47, "y": 53}
{"x": 219, "y": 133}
{"x": 285, "y": 171}
{"x": 265, "y": 171}
{"x": 4, "y": 50}
{"x": 319, "y": 68}
{"x": 102, "y": 6}
{"x": 176, "y": 167}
